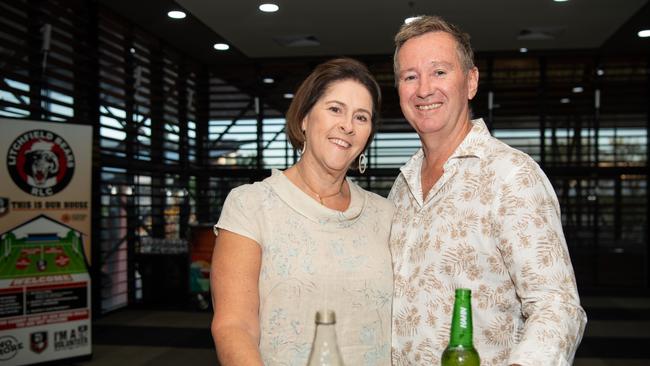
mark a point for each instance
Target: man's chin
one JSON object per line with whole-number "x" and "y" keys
{"x": 425, "y": 127}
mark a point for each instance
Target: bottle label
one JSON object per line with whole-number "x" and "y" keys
{"x": 463, "y": 317}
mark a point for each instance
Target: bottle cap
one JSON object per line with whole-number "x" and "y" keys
{"x": 325, "y": 317}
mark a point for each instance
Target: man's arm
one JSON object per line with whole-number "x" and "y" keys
{"x": 535, "y": 252}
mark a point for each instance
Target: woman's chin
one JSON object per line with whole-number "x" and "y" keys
{"x": 339, "y": 167}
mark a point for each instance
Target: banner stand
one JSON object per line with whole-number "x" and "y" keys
{"x": 45, "y": 233}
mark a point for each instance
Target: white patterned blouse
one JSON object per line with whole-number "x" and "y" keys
{"x": 317, "y": 258}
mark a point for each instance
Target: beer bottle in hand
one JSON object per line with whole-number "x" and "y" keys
{"x": 325, "y": 350}
{"x": 461, "y": 351}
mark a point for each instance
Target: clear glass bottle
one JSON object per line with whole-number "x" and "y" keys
{"x": 325, "y": 350}
{"x": 461, "y": 351}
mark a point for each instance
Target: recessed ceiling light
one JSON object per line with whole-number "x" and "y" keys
{"x": 288, "y": 95}
{"x": 268, "y": 80}
{"x": 409, "y": 19}
{"x": 523, "y": 50}
{"x": 560, "y": 1}
{"x": 221, "y": 46}
{"x": 269, "y": 7}
{"x": 565, "y": 100}
{"x": 600, "y": 72}
{"x": 578, "y": 89}
{"x": 176, "y": 14}
{"x": 644, "y": 33}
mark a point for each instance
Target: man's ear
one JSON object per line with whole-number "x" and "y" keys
{"x": 472, "y": 82}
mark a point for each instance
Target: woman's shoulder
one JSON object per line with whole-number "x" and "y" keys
{"x": 243, "y": 190}
{"x": 378, "y": 201}
{"x": 249, "y": 193}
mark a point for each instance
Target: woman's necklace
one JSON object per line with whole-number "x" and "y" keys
{"x": 320, "y": 198}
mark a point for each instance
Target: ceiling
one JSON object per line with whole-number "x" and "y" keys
{"x": 366, "y": 27}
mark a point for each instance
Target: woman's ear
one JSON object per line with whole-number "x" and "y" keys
{"x": 303, "y": 124}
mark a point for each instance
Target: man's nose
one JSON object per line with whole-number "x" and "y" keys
{"x": 425, "y": 87}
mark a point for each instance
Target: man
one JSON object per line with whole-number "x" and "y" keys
{"x": 472, "y": 212}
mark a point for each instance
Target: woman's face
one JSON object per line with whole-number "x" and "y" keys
{"x": 338, "y": 125}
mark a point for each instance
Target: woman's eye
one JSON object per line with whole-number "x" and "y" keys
{"x": 362, "y": 118}
{"x": 334, "y": 109}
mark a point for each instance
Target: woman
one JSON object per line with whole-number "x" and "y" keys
{"x": 308, "y": 238}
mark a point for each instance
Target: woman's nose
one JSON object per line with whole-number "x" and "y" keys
{"x": 346, "y": 126}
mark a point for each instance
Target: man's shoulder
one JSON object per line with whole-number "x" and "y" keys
{"x": 398, "y": 189}
{"x": 501, "y": 155}
{"x": 501, "y": 148}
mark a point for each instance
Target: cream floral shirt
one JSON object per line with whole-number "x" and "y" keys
{"x": 316, "y": 258}
{"x": 492, "y": 224}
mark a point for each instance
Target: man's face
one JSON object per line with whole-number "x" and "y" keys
{"x": 433, "y": 88}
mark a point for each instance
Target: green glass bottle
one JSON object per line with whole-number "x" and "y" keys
{"x": 461, "y": 351}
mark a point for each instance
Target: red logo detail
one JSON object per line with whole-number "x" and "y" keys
{"x": 22, "y": 263}
{"x": 62, "y": 260}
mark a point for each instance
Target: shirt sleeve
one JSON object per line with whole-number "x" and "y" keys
{"x": 534, "y": 249}
{"x": 240, "y": 214}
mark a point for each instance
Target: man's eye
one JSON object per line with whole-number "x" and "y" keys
{"x": 409, "y": 77}
{"x": 440, "y": 72}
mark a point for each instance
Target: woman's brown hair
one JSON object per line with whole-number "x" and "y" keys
{"x": 316, "y": 84}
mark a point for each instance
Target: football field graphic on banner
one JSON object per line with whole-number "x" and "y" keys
{"x": 40, "y": 253}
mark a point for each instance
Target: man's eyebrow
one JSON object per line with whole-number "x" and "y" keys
{"x": 446, "y": 64}
{"x": 442, "y": 63}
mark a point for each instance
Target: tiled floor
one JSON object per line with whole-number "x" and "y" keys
{"x": 618, "y": 334}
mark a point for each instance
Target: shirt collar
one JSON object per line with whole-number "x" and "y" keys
{"x": 474, "y": 145}
{"x": 305, "y": 205}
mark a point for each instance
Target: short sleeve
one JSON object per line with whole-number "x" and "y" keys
{"x": 240, "y": 214}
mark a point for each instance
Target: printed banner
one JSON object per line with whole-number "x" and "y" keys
{"x": 45, "y": 221}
